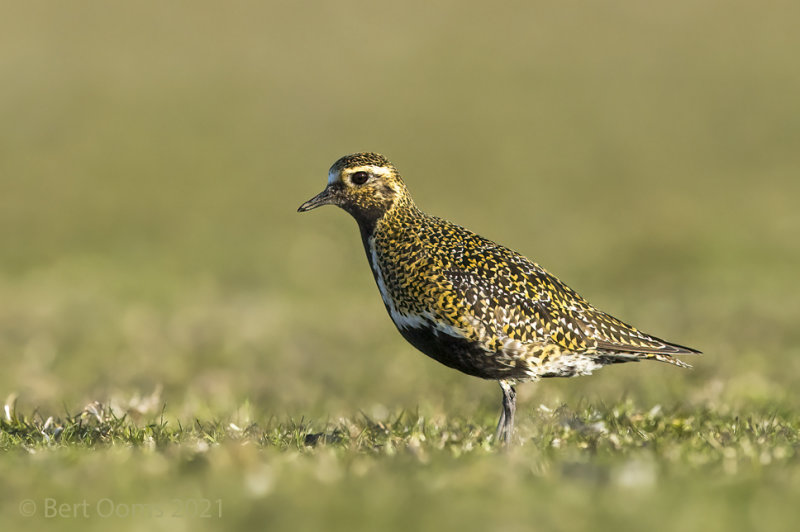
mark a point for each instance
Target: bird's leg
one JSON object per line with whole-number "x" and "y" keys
{"x": 505, "y": 427}
{"x": 500, "y": 423}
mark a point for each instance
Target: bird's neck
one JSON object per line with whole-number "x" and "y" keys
{"x": 400, "y": 218}
{"x": 402, "y": 213}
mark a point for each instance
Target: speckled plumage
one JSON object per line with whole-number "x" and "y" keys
{"x": 470, "y": 303}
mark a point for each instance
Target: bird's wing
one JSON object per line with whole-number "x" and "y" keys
{"x": 513, "y": 297}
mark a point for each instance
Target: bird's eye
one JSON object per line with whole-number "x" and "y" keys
{"x": 359, "y": 178}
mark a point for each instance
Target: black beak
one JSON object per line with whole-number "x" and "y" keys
{"x": 326, "y": 197}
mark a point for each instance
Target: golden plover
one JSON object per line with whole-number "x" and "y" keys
{"x": 470, "y": 303}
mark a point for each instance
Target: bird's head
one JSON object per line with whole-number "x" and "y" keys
{"x": 366, "y": 185}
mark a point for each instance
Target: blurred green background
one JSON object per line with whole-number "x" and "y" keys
{"x": 152, "y": 157}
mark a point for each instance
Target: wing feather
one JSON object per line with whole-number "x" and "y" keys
{"x": 510, "y": 295}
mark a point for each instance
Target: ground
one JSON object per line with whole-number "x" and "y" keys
{"x": 180, "y": 349}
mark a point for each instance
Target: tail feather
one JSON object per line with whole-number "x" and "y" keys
{"x": 622, "y": 356}
{"x": 669, "y": 360}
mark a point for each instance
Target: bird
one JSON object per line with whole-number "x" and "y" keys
{"x": 470, "y": 303}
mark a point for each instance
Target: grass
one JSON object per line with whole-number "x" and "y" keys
{"x": 182, "y": 349}
{"x": 719, "y": 438}
{"x": 605, "y": 460}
